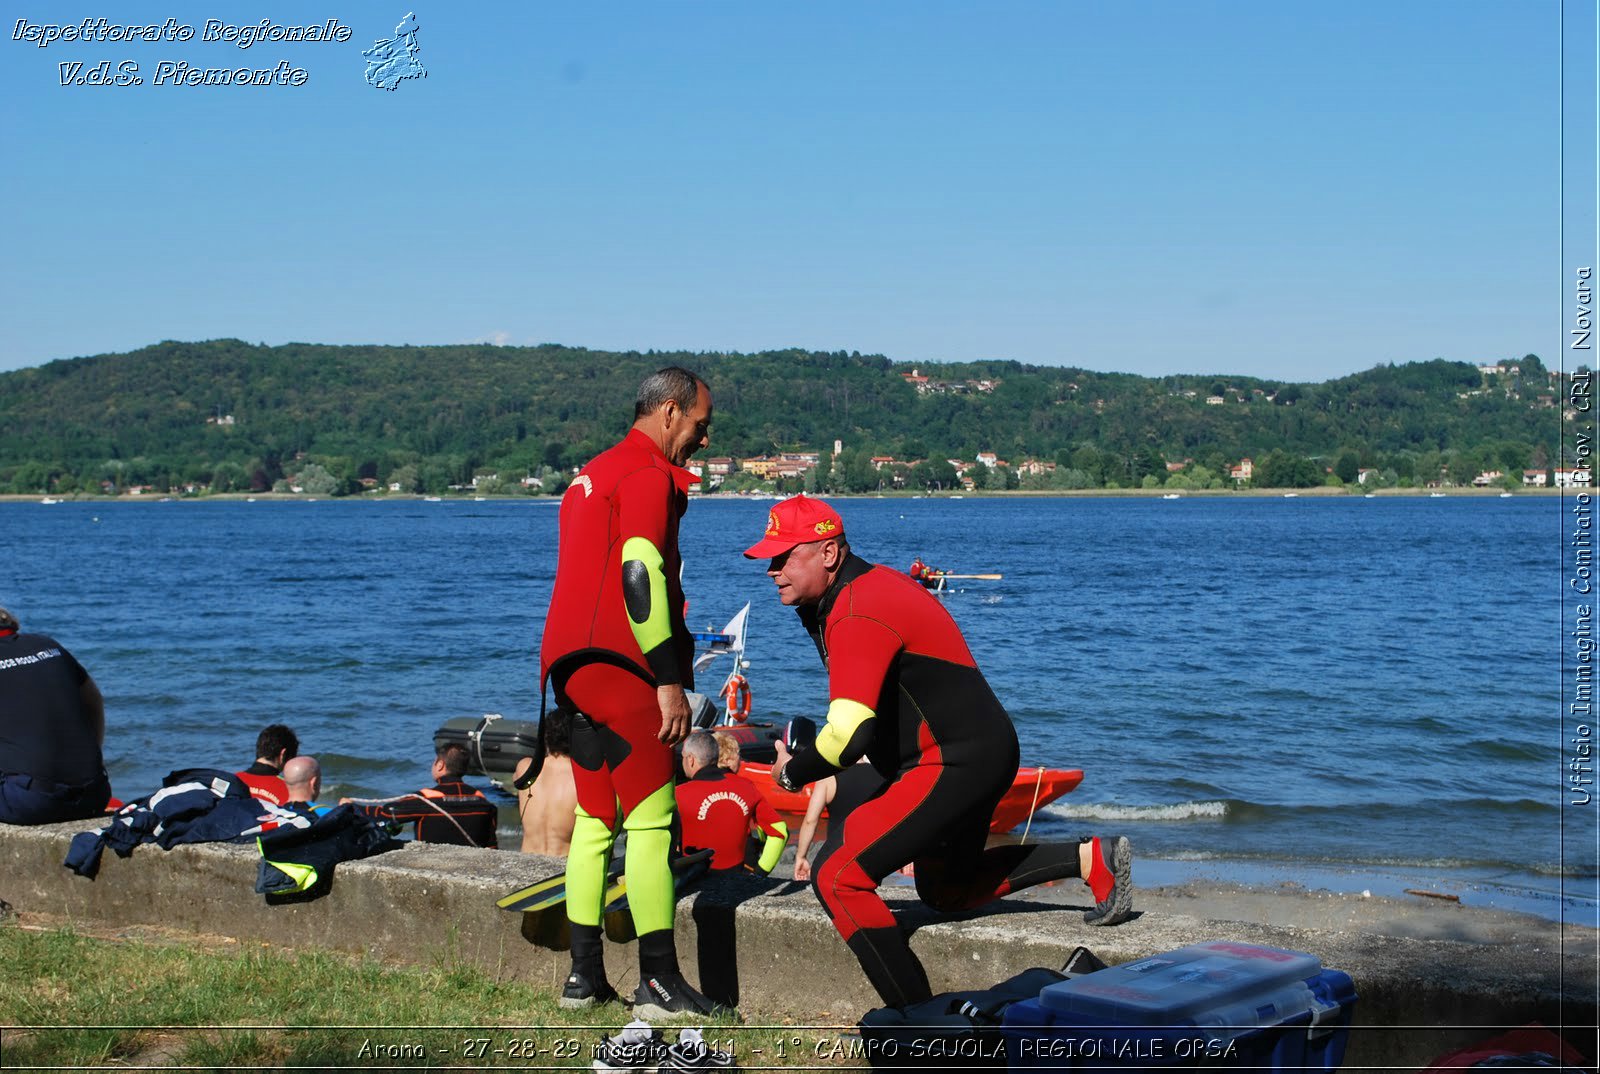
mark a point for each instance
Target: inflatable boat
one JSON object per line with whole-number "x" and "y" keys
{"x": 497, "y": 744}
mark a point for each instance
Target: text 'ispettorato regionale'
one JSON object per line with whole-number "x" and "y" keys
{"x": 179, "y": 72}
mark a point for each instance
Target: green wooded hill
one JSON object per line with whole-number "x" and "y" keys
{"x": 226, "y": 415}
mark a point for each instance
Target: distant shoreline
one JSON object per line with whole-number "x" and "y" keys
{"x": 1320, "y": 492}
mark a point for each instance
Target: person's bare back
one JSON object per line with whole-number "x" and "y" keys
{"x": 548, "y": 809}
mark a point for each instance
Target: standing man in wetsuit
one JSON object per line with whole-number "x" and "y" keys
{"x": 52, "y": 730}
{"x": 618, "y": 656}
{"x": 905, "y": 691}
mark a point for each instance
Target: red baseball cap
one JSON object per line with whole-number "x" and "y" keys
{"x": 797, "y": 520}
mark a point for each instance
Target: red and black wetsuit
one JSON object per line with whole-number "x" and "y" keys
{"x": 716, "y": 809}
{"x": 616, "y": 581}
{"x": 589, "y": 652}
{"x": 265, "y": 783}
{"x": 906, "y": 691}
{"x": 451, "y": 812}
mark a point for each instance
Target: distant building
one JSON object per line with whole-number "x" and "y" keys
{"x": 1215, "y": 400}
{"x": 760, "y": 465}
{"x": 1571, "y": 477}
{"x": 1535, "y": 478}
{"x": 988, "y": 458}
{"x": 1243, "y": 472}
{"x": 880, "y": 461}
{"x": 1487, "y": 478}
{"x": 721, "y": 466}
{"x": 1365, "y": 474}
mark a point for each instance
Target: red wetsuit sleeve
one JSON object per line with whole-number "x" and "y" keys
{"x": 766, "y": 817}
{"x": 645, "y": 506}
{"x": 646, "y": 499}
{"x": 860, "y": 651}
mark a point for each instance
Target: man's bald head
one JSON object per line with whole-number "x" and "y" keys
{"x": 303, "y": 776}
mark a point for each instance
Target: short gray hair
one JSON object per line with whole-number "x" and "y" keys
{"x": 674, "y": 383}
{"x": 701, "y": 746}
{"x": 8, "y": 621}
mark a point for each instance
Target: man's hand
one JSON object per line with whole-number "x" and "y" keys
{"x": 802, "y": 870}
{"x": 783, "y": 757}
{"x": 674, "y": 714}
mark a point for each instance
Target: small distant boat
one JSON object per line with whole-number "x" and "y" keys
{"x": 1505, "y": 495}
{"x": 49, "y": 499}
{"x": 249, "y": 499}
{"x": 432, "y": 499}
{"x": 1370, "y": 496}
{"x": 1291, "y": 495}
{"x": 1171, "y": 496}
{"x": 1435, "y": 495}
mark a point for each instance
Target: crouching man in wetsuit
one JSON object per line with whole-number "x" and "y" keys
{"x": 905, "y": 691}
{"x": 618, "y": 656}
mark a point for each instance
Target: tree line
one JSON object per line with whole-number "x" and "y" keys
{"x": 229, "y": 416}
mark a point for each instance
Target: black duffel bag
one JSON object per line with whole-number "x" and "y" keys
{"x": 958, "y": 1029}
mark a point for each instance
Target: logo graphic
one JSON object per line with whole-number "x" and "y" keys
{"x": 772, "y": 524}
{"x": 582, "y": 481}
{"x": 825, "y": 527}
{"x": 393, "y": 61}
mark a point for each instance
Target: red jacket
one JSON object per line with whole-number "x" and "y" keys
{"x": 717, "y": 808}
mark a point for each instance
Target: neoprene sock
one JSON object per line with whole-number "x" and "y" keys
{"x": 658, "y": 953}
{"x": 588, "y": 952}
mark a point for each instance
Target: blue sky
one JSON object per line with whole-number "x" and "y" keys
{"x": 1281, "y": 190}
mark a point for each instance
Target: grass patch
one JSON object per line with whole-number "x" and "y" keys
{"x": 80, "y": 1001}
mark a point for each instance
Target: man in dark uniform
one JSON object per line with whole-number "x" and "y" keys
{"x": 52, "y": 729}
{"x": 451, "y": 811}
{"x": 617, "y": 654}
{"x": 905, "y": 691}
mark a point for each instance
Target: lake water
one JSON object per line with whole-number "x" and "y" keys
{"x": 1367, "y": 687}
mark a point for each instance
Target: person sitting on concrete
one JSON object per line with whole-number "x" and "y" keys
{"x": 451, "y": 811}
{"x": 302, "y": 775}
{"x": 718, "y": 808}
{"x": 729, "y": 759}
{"x": 549, "y": 805}
{"x": 52, "y": 731}
{"x": 276, "y": 745}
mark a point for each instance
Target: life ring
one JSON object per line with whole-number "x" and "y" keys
{"x": 736, "y": 692}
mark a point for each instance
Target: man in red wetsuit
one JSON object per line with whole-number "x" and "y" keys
{"x": 276, "y": 745}
{"x": 904, "y": 690}
{"x": 618, "y": 656}
{"x": 717, "y": 808}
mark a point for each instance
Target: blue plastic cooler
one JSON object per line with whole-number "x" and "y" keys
{"x": 1218, "y": 1004}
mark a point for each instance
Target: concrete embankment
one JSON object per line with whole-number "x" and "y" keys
{"x": 1428, "y": 976}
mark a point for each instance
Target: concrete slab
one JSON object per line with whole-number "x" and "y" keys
{"x": 1427, "y": 975}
